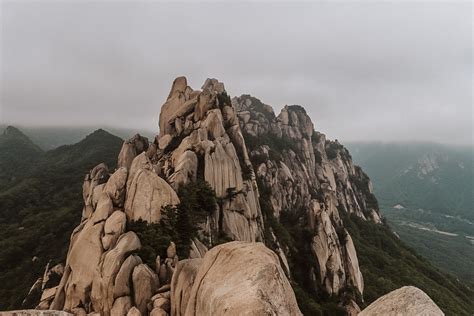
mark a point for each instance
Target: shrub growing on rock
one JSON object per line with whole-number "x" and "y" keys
{"x": 178, "y": 223}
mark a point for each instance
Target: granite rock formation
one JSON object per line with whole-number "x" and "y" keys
{"x": 304, "y": 176}
{"x": 237, "y": 278}
{"x": 263, "y": 168}
{"x": 407, "y": 300}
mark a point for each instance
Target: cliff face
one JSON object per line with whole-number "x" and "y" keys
{"x": 273, "y": 176}
{"x": 200, "y": 136}
{"x": 312, "y": 180}
{"x": 239, "y": 143}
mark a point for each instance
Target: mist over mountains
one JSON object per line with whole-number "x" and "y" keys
{"x": 52, "y": 137}
{"x": 426, "y": 192}
{"x": 385, "y": 262}
{"x": 429, "y": 176}
{"x": 332, "y": 174}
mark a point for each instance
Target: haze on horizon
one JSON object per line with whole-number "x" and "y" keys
{"x": 364, "y": 71}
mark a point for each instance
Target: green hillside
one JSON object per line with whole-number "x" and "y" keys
{"x": 387, "y": 264}
{"x": 445, "y": 241}
{"x": 17, "y": 155}
{"x": 40, "y": 205}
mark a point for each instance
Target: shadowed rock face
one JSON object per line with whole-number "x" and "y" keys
{"x": 407, "y": 300}
{"x": 246, "y": 154}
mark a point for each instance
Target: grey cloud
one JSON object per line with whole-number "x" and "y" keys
{"x": 363, "y": 70}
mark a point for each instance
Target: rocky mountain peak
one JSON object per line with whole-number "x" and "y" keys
{"x": 278, "y": 187}
{"x": 296, "y": 123}
{"x": 14, "y": 144}
{"x": 245, "y": 149}
{"x": 200, "y": 137}
{"x": 246, "y": 102}
{"x": 13, "y": 131}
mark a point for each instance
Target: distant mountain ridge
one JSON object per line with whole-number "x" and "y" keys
{"x": 426, "y": 194}
{"x": 15, "y": 144}
{"x": 48, "y": 138}
{"x": 430, "y": 176}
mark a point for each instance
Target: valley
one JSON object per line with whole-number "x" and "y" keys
{"x": 425, "y": 191}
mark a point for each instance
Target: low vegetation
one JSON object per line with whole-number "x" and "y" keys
{"x": 452, "y": 251}
{"x": 178, "y": 224}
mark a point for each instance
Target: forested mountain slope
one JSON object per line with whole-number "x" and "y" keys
{"x": 434, "y": 177}
{"x": 40, "y": 201}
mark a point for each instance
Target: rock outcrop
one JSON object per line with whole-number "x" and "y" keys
{"x": 200, "y": 136}
{"x": 266, "y": 171}
{"x": 44, "y": 289}
{"x": 147, "y": 193}
{"x": 407, "y": 300}
{"x": 236, "y": 278}
{"x": 130, "y": 149}
{"x": 311, "y": 180}
{"x": 35, "y": 312}
{"x": 98, "y": 276}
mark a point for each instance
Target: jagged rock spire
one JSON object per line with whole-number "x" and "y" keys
{"x": 250, "y": 158}
{"x": 200, "y": 136}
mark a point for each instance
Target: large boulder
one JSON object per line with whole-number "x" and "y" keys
{"x": 115, "y": 186}
{"x": 140, "y": 162}
{"x": 145, "y": 284}
{"x": 236, "y": 278}
{"x": 121, "y": 306}
{"x": 407, "y": 300}
{"x": 122, "y": 285}
{"x": 114, "y": 227}
{"x": 102, "y": 293}
{"x": 103, "y": 210}
{"x": 181, "y": 100}
{"x": 83, "y": 260}
{"x": 130, "y": 149}
{"x": 92, "y": 188}
{"x": 134, "y": 312}
{"x": 148, "y": 193}
{"x": 182, "y": 284}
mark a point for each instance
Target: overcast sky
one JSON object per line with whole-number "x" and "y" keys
{"x": 363, "y": 70}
